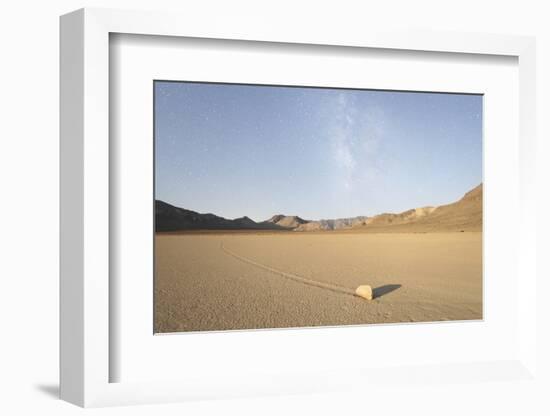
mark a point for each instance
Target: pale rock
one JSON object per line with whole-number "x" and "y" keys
{"x": 364, "y": 291}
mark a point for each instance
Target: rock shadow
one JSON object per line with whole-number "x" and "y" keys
{"x": 384, "y": 290}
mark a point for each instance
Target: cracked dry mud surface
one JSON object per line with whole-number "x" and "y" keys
{"x": 224, "y": 281}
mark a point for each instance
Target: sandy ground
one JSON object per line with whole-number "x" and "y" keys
{"x": 221, "y": 281}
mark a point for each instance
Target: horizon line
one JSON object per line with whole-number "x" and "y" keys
{"x": 320, "y": 219}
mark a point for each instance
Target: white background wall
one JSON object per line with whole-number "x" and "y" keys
{"x": 29, "y": 205}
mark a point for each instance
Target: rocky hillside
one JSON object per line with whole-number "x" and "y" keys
{"x": 466, "y": 214}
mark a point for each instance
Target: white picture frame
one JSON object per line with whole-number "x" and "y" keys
{"x": 85, "y": 211}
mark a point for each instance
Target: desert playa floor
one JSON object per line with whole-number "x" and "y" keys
{"x": 245, "y": 280}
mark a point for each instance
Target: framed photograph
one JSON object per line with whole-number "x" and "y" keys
{"x": 350, "y": 162}
{"x": 265, "y": 211}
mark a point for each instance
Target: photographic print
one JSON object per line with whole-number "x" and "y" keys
{"x": 292, "y": 207}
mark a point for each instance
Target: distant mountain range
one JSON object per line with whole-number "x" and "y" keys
{"x": 462, "y": 215}
{"x": 171, "y": 218}
{"x": 329, "y": 225}
{"x": 286, "y": 221}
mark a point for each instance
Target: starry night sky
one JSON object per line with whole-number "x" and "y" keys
{"x": 236, "y": 150}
